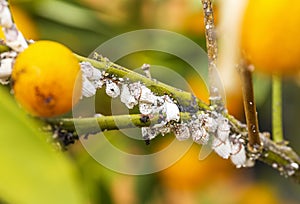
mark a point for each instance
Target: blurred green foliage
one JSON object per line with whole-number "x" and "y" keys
{"x": 31, "y": 170}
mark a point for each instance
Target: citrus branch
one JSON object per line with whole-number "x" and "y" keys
{"x": 185, "y": 99}
{"x": 280, "y": 157}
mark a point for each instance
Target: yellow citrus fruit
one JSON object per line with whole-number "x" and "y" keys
{"x": 23, "y": 22}
{"x": 234, "y": 97}
{"x": 191, "y": 173}
{"x": 270, "y": 35}
{"x": 198, "y": 87}
{"x": 46, "y": 76}
{"x": 194, "y": 21}
{"x": 261, "y": 193}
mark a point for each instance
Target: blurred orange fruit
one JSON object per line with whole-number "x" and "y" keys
{"x": 44, "y": 79}
{"x": 24, "y": 23}
{"x": 234, "y": 97}
{"x": 198, "y": 87}
{"x": 194, "y": 21}
{"x": 270, "y": 35}
{"x": 190, "y": 173}
{"x": 234, "y": 102}
{"x": 259, "y": 194}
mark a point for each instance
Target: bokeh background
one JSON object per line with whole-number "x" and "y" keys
{"x": 83, "y": 25}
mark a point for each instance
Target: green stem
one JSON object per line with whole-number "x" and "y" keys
{"x": 104, "y": 123}
{"x": 277, "y": 109}
{"x": 279, "y": 156}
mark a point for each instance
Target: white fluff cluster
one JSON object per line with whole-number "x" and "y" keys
{"x": 204, "y": 128}
{"x": 6, "y": 64}
{"x": 91, "y": 79}
{"x": 14, "y": 38}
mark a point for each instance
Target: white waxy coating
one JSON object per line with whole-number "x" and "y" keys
{"x": 145, "y": 108}
{"x": 127, "y": 98}
{"x": 112, "y": 89}
{"x": 199, "y": 134}
{"x": 90, "y": 72}
{"x": 210, "y": 124}
{"x": 147, "y": 96}
{"x": 239, "y": 158}
{"x": 223, "y": 149}
{"x": 91, "y": 77}
{"x": 172, "y": 112}
{"x": 88, "y": 88}
{"x": 5, "y": 16}
{"x": 149, "y": 133}
{"x": 5, "y": 70}
{"x": 135, "y": 89}
{"x": 223, "y": 129}
{"x": 182, "y": 132}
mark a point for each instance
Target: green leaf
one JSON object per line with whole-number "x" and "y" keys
{"x": 31, "y": 171}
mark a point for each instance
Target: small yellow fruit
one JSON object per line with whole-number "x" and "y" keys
{"x": 188, "y": 173}
{"x": 46, "y": 76}
{"x": 270, "y": 35}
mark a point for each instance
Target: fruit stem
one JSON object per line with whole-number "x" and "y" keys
{"x": 212, "y": 53}
{"x": 277, "y": 108}
{"x": 254, "y": 145}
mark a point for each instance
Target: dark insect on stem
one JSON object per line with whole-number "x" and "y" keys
{"x": 147, "y": 141}
{"x": 64, "y": 137}
{"x": 144, "y": 118}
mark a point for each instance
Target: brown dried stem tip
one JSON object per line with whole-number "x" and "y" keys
{"x": 254, "y": 145}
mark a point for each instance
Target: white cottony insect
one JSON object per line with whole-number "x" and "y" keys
{"x": 222, "y": 148}
{"x": 5, "y": 16}
{"x": 6, "y": 65}
{"x": 145, "y": 108}
{"x": 295, "y": 165}
{"x": 127, "y": 98}
{"x": 97, "y": 84}
{"x": 182, "y": 132}
{"x": 89, "y": 71}
{"x": 210, "y": 123}
{"x": 199, "y": 134}
{"x": 164, "y": 130}
{"x": 88, "y": 88}
{"x": 160, "y": 125}
{"x": 146, "y": 69}
{"x": 92, "y": 79}
{"x": 223, "y": 128}
{"x": 147, "y": 96}
{"x": 238, "y": 158}
{"x": 172, "y": 111}
{"x": 112, "y": 89}
{"x": 149, "y": 133}
{"x": 5, "y": 70}
{"x": 135, "y": 90}
{"x": 15, "y": 39}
